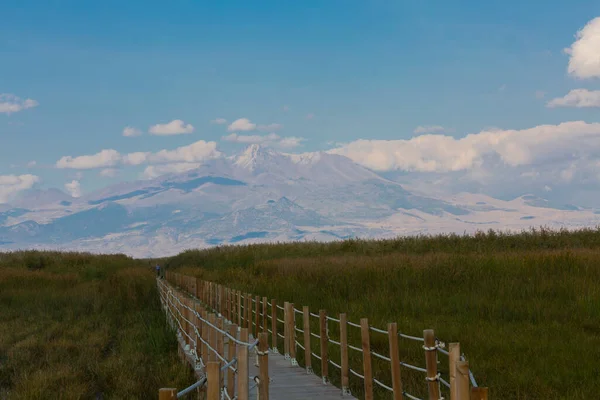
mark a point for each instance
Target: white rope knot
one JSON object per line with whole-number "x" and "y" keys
{"x": 438, "y": 345}
{"x": 434, "y": 378}
{"x": 261, "y": 353}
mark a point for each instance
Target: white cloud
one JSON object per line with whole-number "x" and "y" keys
{"x": 10, "y": 185}
{"x": 242, "y": 124}
{"x": 109, "y": 172}
{"x": 130, "y": 131}
{"x": 105, "y": 158}
{"x": 136, "y": 158}
{"x": 193, "y": 153}
{"x": 270, "y": 127}
{"x": 153, "y": 171}
{"x": 430, "y": 129}
{"x": 441, "y": 153}
{"x": 290, "y": 142}
{"x": 584, "y": 59}
{"x": 73, "y": 188}
{"x": 251, "y": 139}
{"x": 31, "y": 164}
{"x": 219, "y": 121}
{"x": 9, "y": 103}
{"x": 577, "y": 98}
{"x": 175, "y": 127}
{"x": 196, "y": 152}
{"x": 271, "y": 140}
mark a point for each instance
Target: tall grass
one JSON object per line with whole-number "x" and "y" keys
{"x": 77, "y": 326}
{"x": 525, "y": 307}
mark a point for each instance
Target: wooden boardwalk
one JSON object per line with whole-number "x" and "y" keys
{"x": 292, "y": 382}
{"x": 287, "y": 381}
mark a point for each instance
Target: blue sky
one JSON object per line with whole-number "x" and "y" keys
{"x": 326, "y": 71}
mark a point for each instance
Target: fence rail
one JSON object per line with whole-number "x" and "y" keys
{"x": 257, "y": 316}
{"x": 202, "y": 338}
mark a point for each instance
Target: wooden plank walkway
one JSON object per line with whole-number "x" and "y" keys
{"x": 291, "y": 382}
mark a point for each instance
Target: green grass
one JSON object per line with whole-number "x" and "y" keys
{"x": 525, "y": 308}
{"x": 76, "y": 326}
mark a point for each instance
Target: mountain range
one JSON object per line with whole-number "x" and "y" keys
{"x": 260, "y": 195}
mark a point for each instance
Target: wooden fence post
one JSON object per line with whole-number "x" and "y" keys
{"x": 479, "y": 393}
{"x": 395, "y": 360}
{"x": 433, "y": 382}
{"x": 205, "y": 337}
{"x": 274, "y": 326}
{"x": 239, "y": 308}
{"x": 249, "y": 313}
{"x": 256, "y": 316}
{"x": 213, "y": 373}
{"x": 265, "y": 314}
{"x": 231, "y": 351}
{"x": 462, "y": 380}
{"x": 366, "y": 347}
{"x": 286, "y": 326}
{"x": 263, "y": 348}
{"x": 453, "y": 358}
{"x": 212, "y": 318}
{"x": 292, "y": 330}
{"x": 242, "y": 362}
{"x": 220, "y": 345}
{"x": 198, "y": 332}
{"x": 324, "y": 345}
{"x": 306, "y": 329}
{"x": 344, "y": 355}
{"x": 167, "y": 394}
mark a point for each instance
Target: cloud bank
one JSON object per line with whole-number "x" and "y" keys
{"x": 175, "y": 127}
{"x": 584, "y": 61}
{"x": 10, "y": 185}
{"x": 9, "y": 103}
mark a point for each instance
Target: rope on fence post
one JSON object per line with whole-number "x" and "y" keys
{"x": 324, "y": 339}
{"x": 220, "y": 344}
{"x": 239, "y": 308}
{"x": 366, "y": 347}
{"x": 242, "y": 370}
{"x": 256, "y": 316}
{"x": 292, "y": 332}
{"x": 274, "y": 326}
{"x": 306, "y": 329}
{"x": 433, "y": 378}
{"x": 249, "y": 312}
{"x": 205, "y": 336}
{"x": 263, "y": 354}
{"x": 286, "y": 326}
{"x": 231, "y": 351}
{"x": 395, "y": 360}
{"x": 212, "y": 319}
{"x": 344, "y": 355}
{"x": 265, "y": 315}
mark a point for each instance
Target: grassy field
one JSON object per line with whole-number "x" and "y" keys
{"x": 75, "y": 326}
{"x": 525, "y": 307}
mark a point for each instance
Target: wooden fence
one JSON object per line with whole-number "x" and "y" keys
{"x": 260, "y": 317}
{"x": 202, "y": 337}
